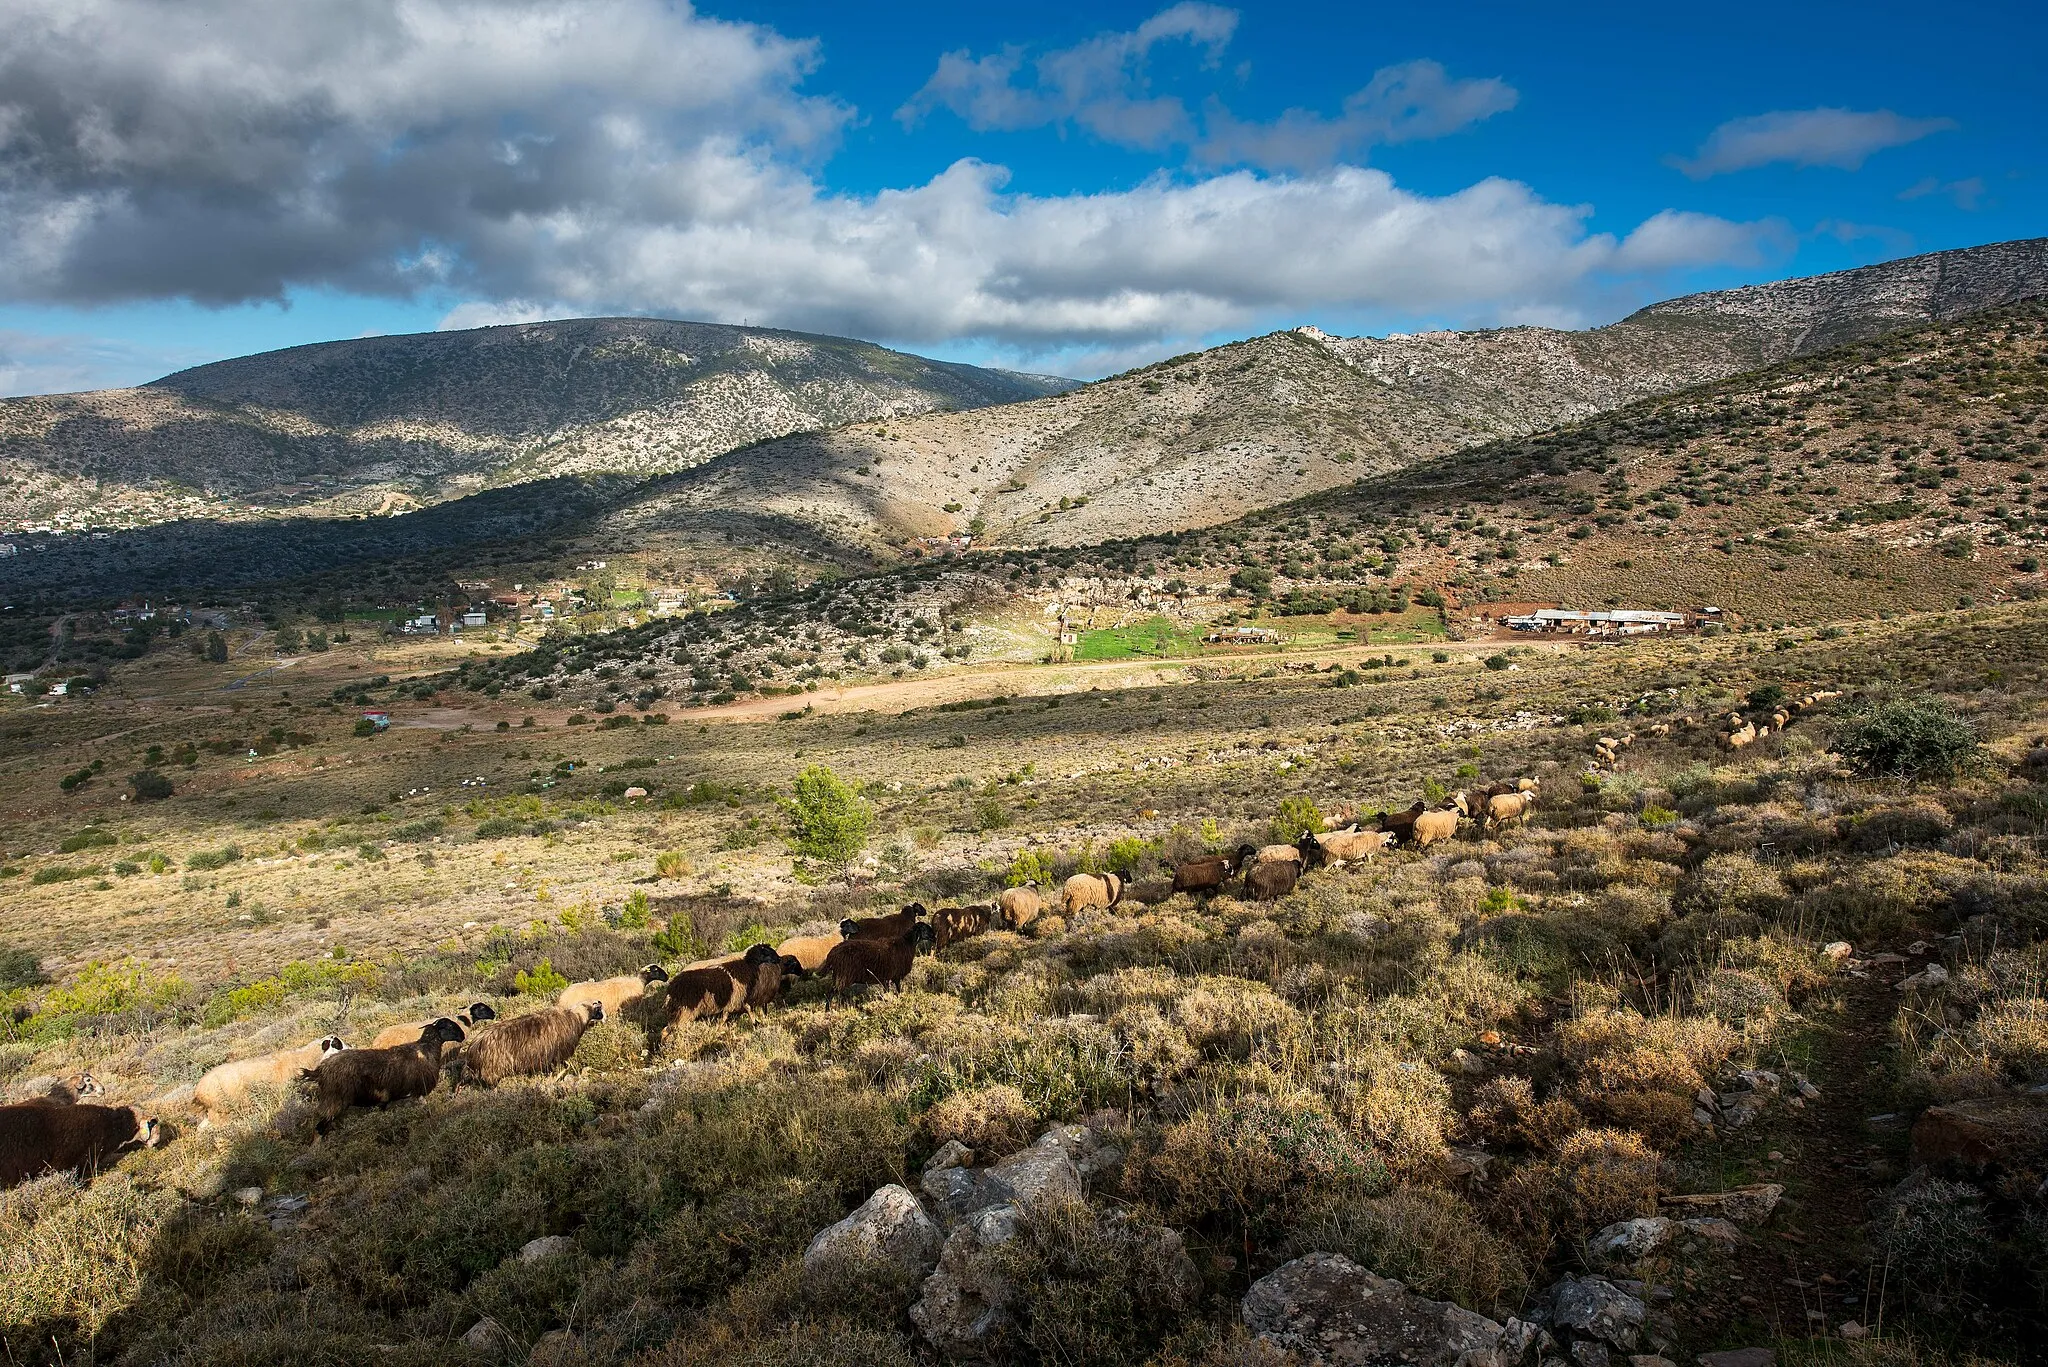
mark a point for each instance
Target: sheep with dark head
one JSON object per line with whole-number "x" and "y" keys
{"x": 69, "y": 1091}
{"x": 957, "y": 923}
{"x": 1210, "y": 871}
{"x": 538, "y": 1042}
{"x": 38, "y": 1137}
{"x": 615, "y": 994}
{"x": 701, "y": 993}
{"x": 1097, "y": 891}
{"x": 1335, "y": 849}
{"x": 378, "y": 1077}
{"x": 476, "y": 1013}
{"x": 879, "y": 963}
{"x": 761, "y": 973}
{"x": 891, "y": 927}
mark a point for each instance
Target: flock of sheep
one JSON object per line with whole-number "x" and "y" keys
{"x": 1736, "y": 730}
{"x": 66, "y": 1131}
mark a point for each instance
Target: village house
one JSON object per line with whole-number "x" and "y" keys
{"x": 1619, "y": 622}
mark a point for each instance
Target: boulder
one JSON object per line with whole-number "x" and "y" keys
{"x": 1326, "y": 1309}
{"x": 890, "y": 1227}
{"x": 1738, "y": 1357}
{"x": 488, "y": 1337}
{"x": 1632, "y": 1239}
{"x": 545, "y": 1247}
{"x": 1982, "y": 1133}
{"x": 1595, "y": 1308}
{"x": 965, "y": 1300}
{"x": 1750, "y": 1205}
{"x": 1716, "y": 1232}
{"x": 1045, "y": 1171}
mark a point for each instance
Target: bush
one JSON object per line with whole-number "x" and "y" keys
{"x": 150, "y": 786}
{"x": 1910, "y": 738}
{"x": 828, "y": 818}
{"x": 1092, "y": 1289}
{"x": 540, "y": 981}
{"x": 673, "y": 864}
{"x": 1296, "y": 814}
{"x": 207, "y": 860}
{"x": 993, "y": 1121}
{"x": 89, "y": 838}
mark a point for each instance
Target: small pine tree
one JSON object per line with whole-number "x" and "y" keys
{"x": 216, "y": 648}
{"x": 829, "y": 820}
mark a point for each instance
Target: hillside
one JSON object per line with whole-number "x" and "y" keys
{"x": 1203, "y": 438}
{"x": 380, "y": 424}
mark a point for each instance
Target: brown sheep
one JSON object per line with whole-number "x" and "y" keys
{"x": 696, "y": 993}
{"x": 1431, "y": 827}
{"x": 224, "y": 1084}
{"x": 615, "y": 994}
{"x": 1020, "y": 906}
{"x": 539, "y": 1042}
{"x": 476, "y": 1014}
{"x": 1268, "y": 880}
{"x": 1335, "y": 849}
{"x": 1209, "y": 872}
{"x": 808, "y": 950}
{"x": 761, "y": 973}
{"x": 1401, "y": 825}
{"x": 37, "y": 1137}
{"x": 1507, "y": 808}
{"x": 891, "y": 927}
{"x": 958, "y": 923}
{"x": 378, "y": 1077}
{"x": 881, "y": 963}
{"x": 1098, "y": 890}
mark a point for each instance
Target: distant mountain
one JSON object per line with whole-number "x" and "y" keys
{"x": 381, "y": 424}
{"x": 1201, "y": 439}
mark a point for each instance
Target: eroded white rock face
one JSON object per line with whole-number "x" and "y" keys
{"x": 890, "y": 1227}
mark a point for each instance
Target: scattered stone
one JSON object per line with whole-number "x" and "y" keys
{"x": 889, "y": 1227}
{"x": 1714, "y": 1230}
{"x": 1885, "y": 960}
{"x": 951, "y": 1154}
{"x": 1934, "y": 975}
{"x": 1632, "y": 1239}
{"x": 1740, "y": 1108}
{"x": 248, "y": 1196}
{"x": 1594, "y": 1307}
{"x": 1588, "y": 1353}
{"x": 1330, "y": 1312}
{"x": 963, "y": 1302}
{"x": 1045, "y": 1171}
{"x": 634, "y": 792}
{"x": 1804, "y": 1088}
{"x": 950, "y": 1192}
{"x": 1977, "y": 1133}
{"x": 1649, "y": 1360}
{"x": 1466, "y": 1062}
{"x": 1738, "y": 1357}
{"x": 1471, "y": 1163}
{"x": 1750, "y": 1205}
{"x": 1836, "y": 950}
{"x": 487, "y": 1336}
{"x": 547, "y": 1246}
{"x": 1850, "y": 1329}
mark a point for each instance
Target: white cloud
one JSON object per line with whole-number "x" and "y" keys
{"x": 1966, "y": 194}
{"x": 1103, "y": 86}
{"x": 556, "y": 157}
{"x": 1842, "y": 138}
{"x": 43, "y": 363}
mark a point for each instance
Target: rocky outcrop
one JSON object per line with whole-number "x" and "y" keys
{"x": 1326, "y": 1309}
{"x": 1982, "y": 1134}
{"x": 890, "y": 1228}
{"x": 1745, "y": 1205}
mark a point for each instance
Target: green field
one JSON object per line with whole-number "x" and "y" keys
{"x": 1155, "y": 637}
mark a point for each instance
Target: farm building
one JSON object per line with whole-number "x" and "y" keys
{"x": 1242, "y": 636}
{"x": 1622, "y": 622}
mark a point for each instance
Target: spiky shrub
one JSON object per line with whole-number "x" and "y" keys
{"x": 1921, "y": 738}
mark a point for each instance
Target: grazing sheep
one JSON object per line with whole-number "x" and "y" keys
{"x": 224, "y": 1084}
{"x": 808, "y": 950}
{"x": 69, "y": 1091}
{"x": 536, "y": 1043}
{"x": 615, "y": 993}
{"x": 1210, "y": 872}
{"x": 891, "y": 927}
{"x": 378, "y": 1077}
{"x": 1745, "y": 734}
{"x": 716, "y": 961}
{"x": 476, "y": 1014}
{"x": 1335, "y": 849}
{"x": 1508, "y": 807}
{"x": 957, "y": 923}
{"x": 1020, "y": 906}
{"x": 881, "y": 963}
{"x": 1430, "y": 827}
{"x": 1401, "y": 825}
{"x": 1268, "y": 880}
{"x": 1098, "y": 890}
{"x": 37, "y": 1137}
{"x": 696, "y": 993}
{"x": 761, "y": 973}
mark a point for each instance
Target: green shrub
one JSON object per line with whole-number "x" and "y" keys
{"x": 19, "y": 968}
{"x": 1296, "y": 814}
{"x": 150, "y": 786}
{"x": 540, "y": 981}
{"x": 62, "y": 873}
{"x": 89, "y": 838}
{"x": 1029, "y": 866}
{"x": 829, "y": 820}
{"x": 1910, "y": 738}
{"x": 635, "y": 915}
{"x": 206, "y": 860}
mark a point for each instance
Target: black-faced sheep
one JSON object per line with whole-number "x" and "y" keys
{"x": 378, "y": 1077}
{"x": 698, "y": 993}
{"x": 1401, "y": 825}
{"x": 1335, "y": 849}
{"x": 957, "y": 923}
{"x": 615, "y": 994}
{"x": 475, "y": 1014}
{"x": 1020, "y": 906}
{"x": 1268, "y": 880}
{"x": 1210, "y": 872}
{"x": 761, "y": 973}
{"x": 228, "y": 1082}
{"x": 881, "y": 963}
{"x": 38, "y": 1137}
{"x": 1099, "y": 891}
{"x": 538, "y": 1042}
{"x": 891, "y": 927}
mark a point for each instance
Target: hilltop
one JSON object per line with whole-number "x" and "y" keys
{"x": 384, "y": 424}
{"x": 1201, "y": 439}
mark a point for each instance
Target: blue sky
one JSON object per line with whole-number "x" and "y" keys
{"x": 1069, "y": 188}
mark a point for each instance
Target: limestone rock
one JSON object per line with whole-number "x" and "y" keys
{"x": 487, "y": 1336}
{"x": 1595, "y": 1308}
{"x": 1632, "y": 1239}
{"x": 545, "y": 1247}
{"x": 965, "y": 1300}
{"x": 1326, "y": 1309}
{"x": 1045, "y": 1171}
{"x": 890, "y": 1226}
{"x": 1750, "y": 1205}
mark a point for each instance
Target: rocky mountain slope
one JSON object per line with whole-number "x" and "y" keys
{"x": 1203, "y": 438}
{"x": 387, "y": 423}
